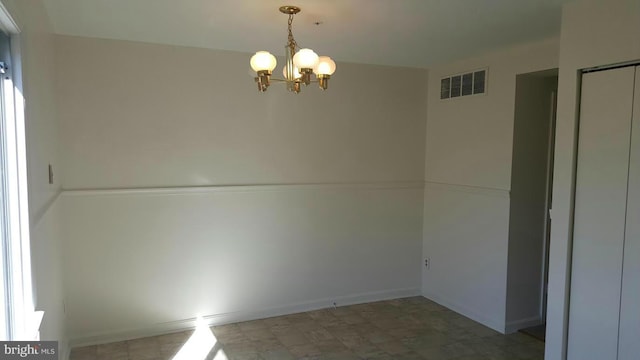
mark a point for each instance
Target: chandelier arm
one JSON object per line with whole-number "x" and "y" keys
{"x": 285, "y": 80}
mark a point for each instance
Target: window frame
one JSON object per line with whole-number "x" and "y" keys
{"x": 17, "y": 290}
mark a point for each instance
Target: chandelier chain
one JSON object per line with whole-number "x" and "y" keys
{"x": 291, "y": 41}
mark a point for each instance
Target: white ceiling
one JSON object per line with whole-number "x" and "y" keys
{"x": 415, "y": 33}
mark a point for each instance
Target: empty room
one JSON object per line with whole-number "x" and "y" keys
{"x": 320, "y": 179}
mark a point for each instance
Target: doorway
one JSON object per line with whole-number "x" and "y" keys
{"x": 530, "y": 200}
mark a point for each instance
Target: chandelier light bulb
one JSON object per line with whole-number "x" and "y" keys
{"x": 263, "y": 61}
{"x": 326, "y": 66}
{"x": 296, "y": 73}
{"x": 305, "y": 59}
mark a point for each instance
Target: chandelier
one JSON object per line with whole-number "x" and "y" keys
{"x": 299, "y": 65}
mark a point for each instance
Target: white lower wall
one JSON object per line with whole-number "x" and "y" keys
{"x": 145, "y": 261}
{"x": 466, "y": 238}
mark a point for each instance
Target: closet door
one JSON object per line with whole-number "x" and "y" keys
{"x": 629, "y": 346}
{"x": 600, "y": 213}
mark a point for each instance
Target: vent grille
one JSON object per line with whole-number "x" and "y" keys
{"x": 471, "y": 83}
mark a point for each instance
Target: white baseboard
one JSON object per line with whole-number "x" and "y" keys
{"x": 462, "y": 310}
{"x": 513, "y": 326}
{"x": 227, "y": 318}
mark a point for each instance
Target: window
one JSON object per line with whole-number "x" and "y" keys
{"x": 16, "y": 294}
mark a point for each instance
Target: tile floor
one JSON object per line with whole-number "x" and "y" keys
{"x": 411, "y": 328}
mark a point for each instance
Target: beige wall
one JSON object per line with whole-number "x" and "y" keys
{"x": 140, "y": 115}
{"x": 469, "y": 139}
{"x": 38, "y": 77}
{"x": 469, "y": 144}
{"x": 594, "y": 33}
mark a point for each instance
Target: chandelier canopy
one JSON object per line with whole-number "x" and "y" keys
{"x": 299, "y": 64}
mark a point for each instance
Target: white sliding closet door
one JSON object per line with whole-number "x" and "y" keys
{"x": 629, "y": 347}
{"x": 600, "y": 214}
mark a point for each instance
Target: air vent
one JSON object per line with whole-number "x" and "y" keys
{"x": 471, "y": 83}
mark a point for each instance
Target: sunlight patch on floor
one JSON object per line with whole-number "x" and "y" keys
{"x": 200, "y": 344}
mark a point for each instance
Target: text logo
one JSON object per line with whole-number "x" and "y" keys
{"x": 28, "y": 350}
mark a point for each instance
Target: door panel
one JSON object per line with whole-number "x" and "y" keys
{"x": 629, "y": 347}
{"x": 600, "y": 208}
